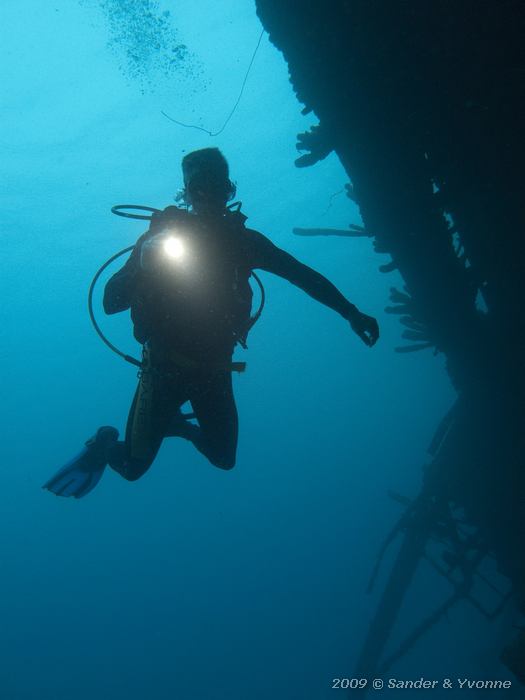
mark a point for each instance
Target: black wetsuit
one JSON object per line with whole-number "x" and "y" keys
{"x": 189, "y": 319}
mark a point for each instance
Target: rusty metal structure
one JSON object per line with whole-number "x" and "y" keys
{"x": 423, "y": 104}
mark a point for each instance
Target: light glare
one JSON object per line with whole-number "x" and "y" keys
{"x": 174, "y": 248}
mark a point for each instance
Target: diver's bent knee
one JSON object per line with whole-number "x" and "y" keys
{"x": 131, "y": 476}
{"x": 226, "y": 463}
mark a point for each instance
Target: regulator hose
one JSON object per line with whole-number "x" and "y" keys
{"x": 118, "y": 210}
{"x": 97, "y": 328}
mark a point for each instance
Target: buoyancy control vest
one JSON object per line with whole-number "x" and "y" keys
{"x": 198, "y": 298}
{"x": 244, "y": 321}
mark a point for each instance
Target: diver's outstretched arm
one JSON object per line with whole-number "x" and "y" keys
{"x": 269, "y": 257}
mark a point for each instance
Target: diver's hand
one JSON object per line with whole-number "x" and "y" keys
{"x": 366, "y": 327}
{"x": 150, "y": 253}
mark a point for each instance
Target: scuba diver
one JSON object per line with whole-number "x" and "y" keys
{"x": 187, "y": 285}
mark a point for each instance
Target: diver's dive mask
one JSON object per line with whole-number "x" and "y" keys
{"x": 205, "y": 186}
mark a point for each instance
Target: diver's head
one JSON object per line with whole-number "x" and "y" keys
{"x": 207, "y": 184}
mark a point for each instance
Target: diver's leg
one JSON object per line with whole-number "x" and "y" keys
{"x": 148, "y": 419}
{"x": 214, "y": 406}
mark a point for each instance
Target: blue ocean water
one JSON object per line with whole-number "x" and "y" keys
{"x": 193, "y": 583}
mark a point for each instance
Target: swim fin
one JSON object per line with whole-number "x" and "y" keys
{"x": 80, "y": 475}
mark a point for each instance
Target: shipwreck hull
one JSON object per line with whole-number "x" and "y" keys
{"x": 423, "y": 105}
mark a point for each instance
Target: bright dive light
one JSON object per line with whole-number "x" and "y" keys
{"x": 174, "y": 248}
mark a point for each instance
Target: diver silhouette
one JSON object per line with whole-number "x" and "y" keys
{"x": 187, "y": 285}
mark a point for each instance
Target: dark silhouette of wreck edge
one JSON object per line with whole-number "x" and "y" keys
{"x": 423, "y": 104}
